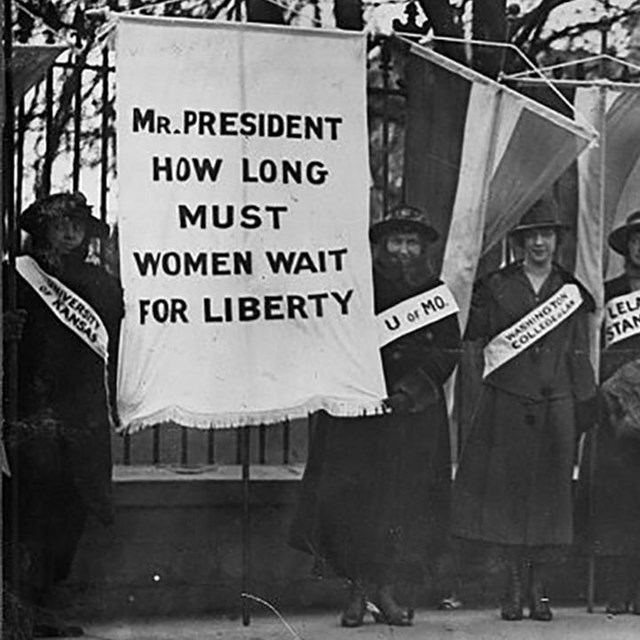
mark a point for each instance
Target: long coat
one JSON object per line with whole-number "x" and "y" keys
{"x": 375, "y": 496}
{"x": 60, "y": 450}
{"x": 513, "y": 485}
{"x": 614, "y": 482}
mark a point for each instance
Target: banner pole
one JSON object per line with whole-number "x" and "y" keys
{"x": 246, "y": 524}
{"x": 593, "y": 435}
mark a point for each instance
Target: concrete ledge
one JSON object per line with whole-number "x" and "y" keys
{"x": 175, "y": 549}
{"x": 205, "y": 486}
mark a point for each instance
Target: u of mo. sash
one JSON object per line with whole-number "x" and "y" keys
{"x": 74, "y": 312}
{"x": 417, "y": 312}
{"x": 622, "y": 318}
{"x": 528, "y": 330}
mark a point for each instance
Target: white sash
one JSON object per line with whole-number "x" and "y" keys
{"x": 528, "y": 330}
{"x": 622, "y": 318}
{"x": 417, "y": 312}
{"x": 75, "y": 313}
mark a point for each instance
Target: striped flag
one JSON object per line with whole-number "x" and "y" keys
{"x": 608, "y": 186}
{"x": 478, "y": 155}
{"x": 608, "y": 179}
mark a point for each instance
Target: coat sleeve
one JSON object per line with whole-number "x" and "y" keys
{"x": 479, "y": 323}
{"x": 580, "y": 367}
{"x": 420, "y": 363}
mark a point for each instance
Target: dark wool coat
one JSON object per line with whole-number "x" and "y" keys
{"x": 513, "y": 484}
{"x": 374, "y": 502}
{"x": 60, "y": 451}
{"x": 614, "y": 482}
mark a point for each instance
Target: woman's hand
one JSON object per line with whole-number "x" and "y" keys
{"x": 399, "y": 402}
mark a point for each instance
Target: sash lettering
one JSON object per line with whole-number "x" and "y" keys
{"x": 415, "y": 313}
{"x": 528, "y": 330}
{"x": 74, "y": 312}
{"x": 621, "y": 318}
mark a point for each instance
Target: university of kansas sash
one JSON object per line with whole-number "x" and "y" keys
{"x": 74, "y": 312}
{"x": 417, "y": 312}
{"x": 528, "y": 330}
{"x": 621, "y": 318}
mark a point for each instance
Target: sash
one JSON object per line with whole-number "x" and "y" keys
{"x": 528, "y": 330}
{"x": 417, "y": 312}
{"x": 74, "y": 312}
{"x": 622, "y": 318}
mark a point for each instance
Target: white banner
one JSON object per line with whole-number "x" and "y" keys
{"x": 243, "y": 216}
{"x": 75, "y": 313}
{"x": 528, "y": 330}
{"x": 622, "y": 318}
{"x": 417, "y": 312}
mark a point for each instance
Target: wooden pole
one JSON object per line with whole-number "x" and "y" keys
{"x": 246, "y": 525}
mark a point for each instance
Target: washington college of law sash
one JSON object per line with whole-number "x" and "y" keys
{"x": 528, "y": 330}
{"x": 621, "y": 318}
{"x": 74, "y": 312}
{"x": 417, "y": 312}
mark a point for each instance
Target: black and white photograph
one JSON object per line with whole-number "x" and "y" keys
{"x": 320, "y": 319}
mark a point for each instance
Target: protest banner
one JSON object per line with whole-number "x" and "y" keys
{"x": 243, "y": 216}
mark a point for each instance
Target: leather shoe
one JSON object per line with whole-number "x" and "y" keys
{"x": 616, "y": 607}
{"x": 353, "y": 615}
{"x": 540, "y": 610}
{"x": 397, "y": 617}
{"x": 57, "y": 631}
{"x": 387, "y": 611}
{"x": 511, "y": 611}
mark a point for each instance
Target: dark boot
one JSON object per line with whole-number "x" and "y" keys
{"x": 353, "y": 614}
{"x": 389, "y": 611}
{"x": 635, "y": 586}
{"x": 618, "y": 584}
{"x": 511, "y": 606}
{"x": 539, "y": 606}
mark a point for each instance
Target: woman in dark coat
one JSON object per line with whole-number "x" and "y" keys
{"x": 615, "y": 479}
{"x": 374, "y": 503}
{"x": 513, "y": 485}
{"x": 59, "y": 448}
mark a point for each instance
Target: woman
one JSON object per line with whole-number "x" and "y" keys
{"x": 615, "y": 478}
{"x": 513, "y": 486}
{"x": 59, "y": 448}
{"x": 375, "y": 495}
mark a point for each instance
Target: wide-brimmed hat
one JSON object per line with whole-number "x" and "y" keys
{"x": 404, "y": 219}
{"x": 619, "y": 238}
{"x": 36, "y": 216}
{"x": 543, "y": 214}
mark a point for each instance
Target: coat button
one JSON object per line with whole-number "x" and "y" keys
{"x": 529, "y": 419}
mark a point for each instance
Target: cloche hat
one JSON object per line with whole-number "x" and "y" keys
{"x": 543, "y": 214}
{"x": 404, "y": 219}
{"x": 58, "y": 205}
{"x": 619, "y": 238}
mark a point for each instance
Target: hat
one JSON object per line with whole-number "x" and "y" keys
{"x": 61, "y": 205}
{"x": 404, "y": 219}
{"x": 543, "y": 214}
{"x": 619, "y": 238}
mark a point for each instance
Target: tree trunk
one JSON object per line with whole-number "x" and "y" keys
{"x": 442, "y": 19}
{"x": 348, "y": 14}
{"x": 264, "y": 11}
{"x": 489, "y": 23}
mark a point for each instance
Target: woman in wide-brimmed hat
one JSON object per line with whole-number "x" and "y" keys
{"x": 513, "y": 486}
{"x": 374, "y": 503}
{"x": 615, "y": 479}
{"x": 59, "y": 448}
